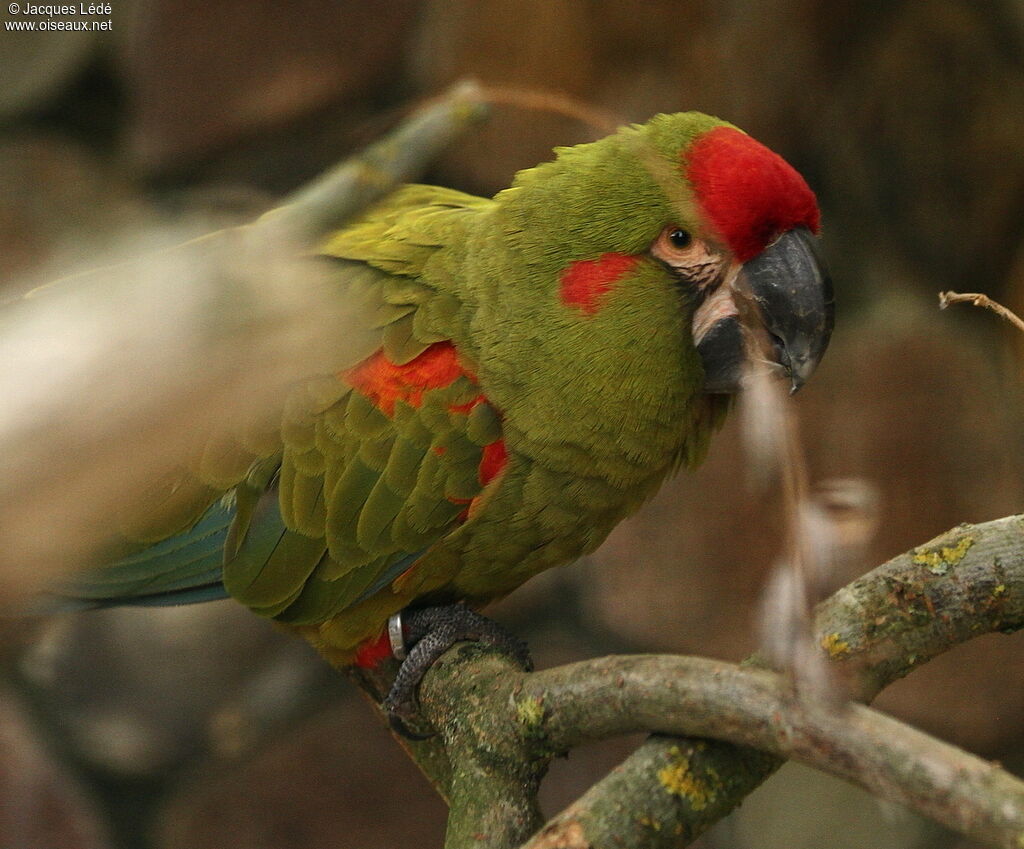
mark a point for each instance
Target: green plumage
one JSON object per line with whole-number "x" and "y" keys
{"x": 356, "y": 503}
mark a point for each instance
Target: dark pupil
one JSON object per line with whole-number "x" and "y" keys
{"x": 679, "y": 238}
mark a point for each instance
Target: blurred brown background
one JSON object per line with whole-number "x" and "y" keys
{"x": 205, "y": 728}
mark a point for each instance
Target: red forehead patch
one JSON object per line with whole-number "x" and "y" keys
{"x": 749, "y": 193}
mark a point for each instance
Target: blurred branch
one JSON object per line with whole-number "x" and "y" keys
{"x": 501, "y": 726}
{"x": 136, "y": 367}
{"x": 360, "y": 180}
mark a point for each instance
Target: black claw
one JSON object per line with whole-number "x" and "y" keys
{"x": 401, "y": 725}
{"x": 431, "y": 631}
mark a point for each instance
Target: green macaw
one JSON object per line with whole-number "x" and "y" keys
{"x": 535, "y": 365}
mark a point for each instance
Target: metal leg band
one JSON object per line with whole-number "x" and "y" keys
{"x": 396, "y": 636}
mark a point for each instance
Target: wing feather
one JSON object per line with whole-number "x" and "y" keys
{"x": 358, "y": 478}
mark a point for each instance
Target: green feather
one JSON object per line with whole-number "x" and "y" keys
{"x": 483, "y": 426}
{"x": 380, "y": 510}
{"x": 400, "y": 341}
{"x": 360, "y": 417}
{"x": 403, "y": 464}
{"x": 346, "y": 501}
{"x": 272, "y": 562}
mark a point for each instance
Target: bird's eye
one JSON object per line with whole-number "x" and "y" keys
{"x": 676, "y": 245}
{"x": 691, "y": 258}
{"x": 679, "y": 238}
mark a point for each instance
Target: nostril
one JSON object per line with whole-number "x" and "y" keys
{"x": 780, "y": 350}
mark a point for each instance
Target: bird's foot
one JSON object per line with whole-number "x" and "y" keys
{"x": 419, "y": 637}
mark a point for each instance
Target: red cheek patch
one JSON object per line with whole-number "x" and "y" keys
{"x": 583, "y": 283}
{"x": 749, "y": 193}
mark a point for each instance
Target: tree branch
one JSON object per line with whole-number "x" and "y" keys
{"x": 501, "y": 726}
{"x": 964, "y": 583}
{"x": 698, "y": 697}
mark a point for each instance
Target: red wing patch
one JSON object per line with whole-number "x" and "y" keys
{"x": 585, "y": 282}
{"x": 384, "y": 383}
{"x": 749, "y": 193}
{"x": 493, "y": 461}
{"x": 465, "y": 408}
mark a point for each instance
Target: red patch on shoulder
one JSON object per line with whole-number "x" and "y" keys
{"x": 584, "y": 282}
{"x": 385, "y": 383}
{"x": 749, "y": 193}
{"x": 374, "y": 651}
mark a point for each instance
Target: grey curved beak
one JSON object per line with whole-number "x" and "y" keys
{"x": 790, "y": 283}
{"x": 793, "y": 289}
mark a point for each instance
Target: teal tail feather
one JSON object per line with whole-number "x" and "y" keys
{"x": 183, "y": 569}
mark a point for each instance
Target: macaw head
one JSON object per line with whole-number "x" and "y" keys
{"x": 753, "y": 230}
{"x": 683, "y": 219}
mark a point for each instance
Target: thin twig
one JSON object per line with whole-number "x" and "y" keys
{"x": 601, "y": 121}
{"x": 980, "y": 300}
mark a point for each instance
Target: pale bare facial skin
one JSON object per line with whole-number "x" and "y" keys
{"x": 705, "y": 266}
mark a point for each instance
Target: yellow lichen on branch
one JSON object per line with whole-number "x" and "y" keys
{"x": 939, "y": 560}
{"x": 835, "y": 645}
{"x": 679, "y": 780}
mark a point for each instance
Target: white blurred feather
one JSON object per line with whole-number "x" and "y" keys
{"x": 105, "y": 376}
